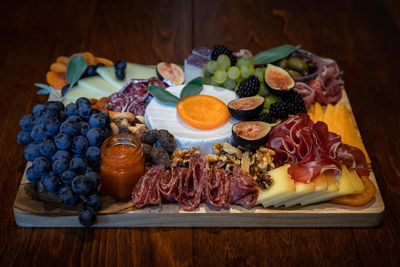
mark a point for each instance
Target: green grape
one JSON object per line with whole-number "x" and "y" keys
{"x": 212, "y": 66}
{"x": 229, "y": 84}
{"x": 263, "y": 91}
{"x": 247, "y": 70}
{"x": 223, "y": 62}
{"x": 220, "y": 76}
{"x": 240, "y": 79}
{"x": 245, "y": 60}
{"x": 233, "y": 73}
{"x": 207, "y": 80}
{"x": 213, "y": 82}
{"x": 271, "y": 99}
{"x": 259, "y": 73}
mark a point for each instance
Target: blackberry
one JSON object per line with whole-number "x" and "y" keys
{"x": 279, "y": 110}
{"x": 297, "y": 107}
{"x": 219, "y": 50}
{"x": 248, "y": 87}
{"x": 266, "y": 117}
{"x": 295, "y": 102}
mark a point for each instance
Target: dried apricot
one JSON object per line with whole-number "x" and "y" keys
{"x": 56, "y": 79}
{"x": 105, "y": 61}
{"x": 58, "y": 67}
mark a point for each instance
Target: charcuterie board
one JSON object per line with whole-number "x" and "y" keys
{"x": 31, "y": 211}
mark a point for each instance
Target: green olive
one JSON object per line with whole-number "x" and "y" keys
{"x": 294, "y": 73}
{"x": 282, "y": 63}
{"x": 297, "y": 64}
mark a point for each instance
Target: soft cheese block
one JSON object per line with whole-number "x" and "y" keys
{"x": 98, "y": 84}
{"x": 133, "y": 71}
{"x": 164, "y": 116}
{"x": 75, "y": 92}
{"x": 282, "y": 187}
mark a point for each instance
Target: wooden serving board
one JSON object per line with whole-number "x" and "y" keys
{"x": 33, "y": 209}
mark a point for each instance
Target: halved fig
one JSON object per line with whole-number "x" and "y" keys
{"x": 251, "y": 134}
{"x": 246, "y": 108}
{"x": 171, "y": 72}
{"x": 278, "y": 79}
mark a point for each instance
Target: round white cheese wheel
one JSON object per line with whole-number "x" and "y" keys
{"x": 164, "y": 116}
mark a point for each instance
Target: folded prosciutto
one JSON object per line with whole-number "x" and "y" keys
{"x": 311, "y": 149}
{"x": 195, "y": 184}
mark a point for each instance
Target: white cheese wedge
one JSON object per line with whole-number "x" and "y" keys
{"x": 320, "y": 186}
{"x": 163, "y": 116}
{"x": 282, "y": 187}
{"x": 344, "y": 185}
{"x": 133, "y": 71}
{"x": 75, "y": 92}
{"x": 301, "y": 189}
{"x": 98, "y": 84}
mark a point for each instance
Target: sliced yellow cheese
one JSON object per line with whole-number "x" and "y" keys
{"x": 283, "y": 186}
{"x": 300, "y": 189}
{"x": 335, "y": 188}
{"x": 356, "y": 181}
{"x": 319, "y": 185}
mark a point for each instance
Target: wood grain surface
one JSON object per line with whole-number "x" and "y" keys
{"x": 363, "y": 36}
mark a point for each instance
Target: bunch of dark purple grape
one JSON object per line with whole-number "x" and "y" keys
{"x": 63, "y": 144}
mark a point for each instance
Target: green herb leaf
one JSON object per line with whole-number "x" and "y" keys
{"x": 193, "y": 87}
{"x": 275, "y": 54}
{"x": 163, "y": 95}
{"x": 76, "y": 67}
{"x": 46, "y": 89}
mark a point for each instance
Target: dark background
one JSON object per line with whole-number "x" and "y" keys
{"x": 363, "y": 36}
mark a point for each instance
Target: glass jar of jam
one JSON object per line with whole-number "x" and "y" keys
{"x": 122, "y": 165}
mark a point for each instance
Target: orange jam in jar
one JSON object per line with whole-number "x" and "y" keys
{"x": 122, "y": 165}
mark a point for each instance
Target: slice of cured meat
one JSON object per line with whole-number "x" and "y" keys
{"x": 134, "y": 96}
{"x": 311, "y": 149}
{"x": 326, "y": 86}
{"x": 190, "y": 186}
{"x": 193, "y": 183}
{"x": 306, "y": 93}
{"x": 146, "y": 190}
{"x": 217, "y": 188}
{"x": 244, "y": 190}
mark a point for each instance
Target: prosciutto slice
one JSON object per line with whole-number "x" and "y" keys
{"x": 306, "y": 93}
{"x": 326, "y": 87}
{"x": 311, "y": 149}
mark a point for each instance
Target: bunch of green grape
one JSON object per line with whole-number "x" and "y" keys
{"x": 221, "y": 73}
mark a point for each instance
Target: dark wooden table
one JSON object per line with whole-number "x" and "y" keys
{"x": 363, "y": 37}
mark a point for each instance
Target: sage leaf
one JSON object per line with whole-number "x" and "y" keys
{"x": 163, "y": 95}
{"x": 46, "y": 89}
{"x": 193, "y": 87}
{"x": 76, "y": 67}
{"x": 275, "y": 54}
